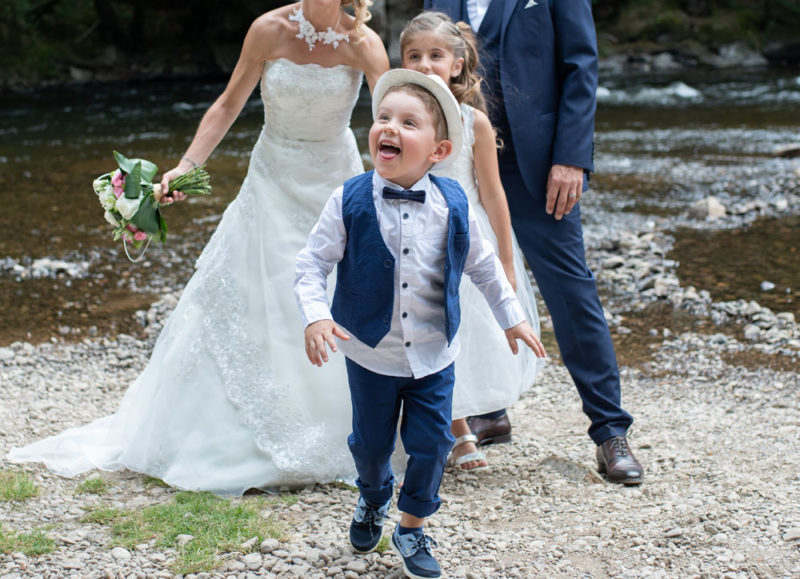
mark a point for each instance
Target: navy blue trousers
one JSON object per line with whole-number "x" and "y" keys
{"x": 555, "y": 253}
{"x": 425, "y": 430}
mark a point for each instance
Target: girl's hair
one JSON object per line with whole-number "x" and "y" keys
{"x": 360, "y": 12}
{"x": 461, "y": 41}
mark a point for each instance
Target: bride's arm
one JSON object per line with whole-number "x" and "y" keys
{"x": 372, "y": 57}
{"x": 221, "y": 115}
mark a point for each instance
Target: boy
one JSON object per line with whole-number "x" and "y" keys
{"x": 401, "y": 239}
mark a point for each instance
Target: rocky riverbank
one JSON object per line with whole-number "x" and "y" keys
{"x": 718, "y": 439}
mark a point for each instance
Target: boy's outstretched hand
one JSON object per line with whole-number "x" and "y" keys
{"x": 524, "y": 332}
{"x": 320, "y": 333}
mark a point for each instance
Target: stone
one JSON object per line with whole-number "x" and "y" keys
{"x": 792, "y": 534}
{"x": 252, "y": 560}
{"x": 120, "y": 554}
{"x": 708, "y": 208}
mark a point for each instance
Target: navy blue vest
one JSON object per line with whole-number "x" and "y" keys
{"x": 364, "y": 295}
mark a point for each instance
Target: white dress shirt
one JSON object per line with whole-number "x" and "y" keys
{"x": 476, "y": 10}
{"x": 416, "y": 235}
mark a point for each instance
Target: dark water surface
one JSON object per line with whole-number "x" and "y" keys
{"x": 660, "y": 147}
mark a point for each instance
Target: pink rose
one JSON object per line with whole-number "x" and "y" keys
{"x": 118, "y": 182}
{"x": 139, "y": 236}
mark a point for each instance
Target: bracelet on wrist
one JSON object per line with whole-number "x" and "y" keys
{"x": 194, "y": 165}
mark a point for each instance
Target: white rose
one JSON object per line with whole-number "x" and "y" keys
{"x": 110, "y": 218}
{"x": 100, "y": 185}
{"x": 107, "y": 198}
{"x": 128, "y": 207}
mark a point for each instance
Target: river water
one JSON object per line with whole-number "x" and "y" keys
{"x": 662, "y": 143}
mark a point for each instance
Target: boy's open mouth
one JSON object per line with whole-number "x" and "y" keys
{"x": 388, "y": 151}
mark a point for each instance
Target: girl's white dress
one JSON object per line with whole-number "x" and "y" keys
{"x": 488, "y": 376}
{"x": 228, "y": 400}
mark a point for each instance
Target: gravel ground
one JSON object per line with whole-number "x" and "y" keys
{"x": 721, "y": 498}
{"x": 718, "y": 436}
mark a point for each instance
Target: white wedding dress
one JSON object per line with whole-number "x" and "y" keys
{"x": 228, "y": 400}
{"x": 488, "y": 376}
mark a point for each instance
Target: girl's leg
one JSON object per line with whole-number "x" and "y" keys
{"x": 461, "y": 428}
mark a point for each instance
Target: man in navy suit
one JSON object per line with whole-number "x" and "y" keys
{"x": 539, "y": 60}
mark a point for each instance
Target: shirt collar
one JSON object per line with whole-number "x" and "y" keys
{"x": 424, "y": 184}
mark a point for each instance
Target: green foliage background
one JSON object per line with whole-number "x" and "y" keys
{"x": 57, "y": 40}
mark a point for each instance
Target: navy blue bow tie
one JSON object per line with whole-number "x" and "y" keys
{"x": 418, "y": 196}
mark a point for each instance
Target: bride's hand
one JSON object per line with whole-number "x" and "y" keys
{"x": 161, "y": 192}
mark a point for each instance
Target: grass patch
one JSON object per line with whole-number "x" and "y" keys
{"x": 340, "y": 484}
{"x": 383, "y": 544}
{"x": 33, "y": 543}
{"x": 94, "y": 486}
{"x": 151, "y": 481}
{"x": 16, "y": 486}
{"x": 217, "y": 526}
{"x": 102, "y": 515}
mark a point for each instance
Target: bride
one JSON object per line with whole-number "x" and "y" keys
{"x": 227, "y": 401}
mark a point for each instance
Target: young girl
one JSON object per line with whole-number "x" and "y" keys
{"x": 488, "y": 376}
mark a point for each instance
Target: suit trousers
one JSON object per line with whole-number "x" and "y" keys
{"x": 555, "y": 253}
{"x": 424, "y": 428}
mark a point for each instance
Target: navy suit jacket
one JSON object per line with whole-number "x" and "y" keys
{"x": 548, "y": 71}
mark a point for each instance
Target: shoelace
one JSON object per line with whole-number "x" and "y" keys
{"x": 423, "y": 542}
{"x": 620, "y": 445}
{"x": 372, "y": 515}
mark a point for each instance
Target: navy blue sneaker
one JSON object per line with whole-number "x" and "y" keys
{"x": 366, "y": 528}
{"x": 415, "y": 550}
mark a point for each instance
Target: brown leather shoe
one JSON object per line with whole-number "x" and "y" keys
{"x": 616, "y": 460}
{"x": 490, "y": 430}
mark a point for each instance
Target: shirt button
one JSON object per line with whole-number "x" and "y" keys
{"x": 387, "y": 263}
{"x": 405, "y": 215}
{"x": 386, "y": 319}
{"x": 405, "y": 314}
{"x": 404, "y": 285}
{"x": 405, "y": 251}
{"x": 408, "y": 344}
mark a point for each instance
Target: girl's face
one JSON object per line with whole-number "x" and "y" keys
{"x": 428, "y": 53}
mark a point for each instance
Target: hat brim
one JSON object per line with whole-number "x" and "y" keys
{"x": 439, "y": 90}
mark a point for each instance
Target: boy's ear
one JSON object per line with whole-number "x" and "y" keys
{"x": 441, "y": 152}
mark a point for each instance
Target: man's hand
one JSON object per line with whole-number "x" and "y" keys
{"x": 564, "y": 189}
{"x": 524, "y": 332}
{"x": 318, "y": 334}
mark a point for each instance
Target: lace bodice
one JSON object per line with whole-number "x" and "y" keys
{"x": 308, "y": 102}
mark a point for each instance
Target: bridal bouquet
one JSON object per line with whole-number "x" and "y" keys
{"x": 130, "y": 206}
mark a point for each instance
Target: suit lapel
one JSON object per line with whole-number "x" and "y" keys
{"x": 508, "y": 10}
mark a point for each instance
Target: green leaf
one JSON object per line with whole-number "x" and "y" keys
{"x": 147, "y": 217}
{"x": 163, "y": 225}
{"x": 133, "y": 186}
{"x": 149, "y": 169}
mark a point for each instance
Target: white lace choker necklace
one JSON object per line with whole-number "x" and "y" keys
{"x": 310, "y": 34}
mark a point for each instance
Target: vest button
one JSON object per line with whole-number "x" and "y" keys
{"x": 405, "y": 215}
{"x": 387, "y": 263}
{"x": 405, "y": 251}
{"x": 405, "y": 285}
{"x": 405, "y": 314}
{"x": 408, "y": 344}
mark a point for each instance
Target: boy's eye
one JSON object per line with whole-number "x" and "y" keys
{"x": 409, "y": 123}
